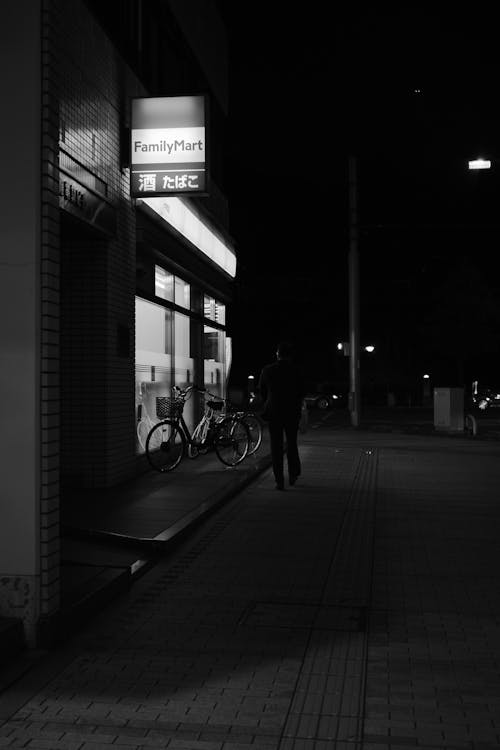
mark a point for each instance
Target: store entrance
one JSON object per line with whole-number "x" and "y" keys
{"x": 82, "y": 323}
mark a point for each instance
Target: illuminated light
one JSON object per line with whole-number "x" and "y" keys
{"x": 426, "y": 377}
{"x": 334, "y": 395}
{"x": 369, "y": 348}
{"x": 187, "y": 221}
{"x": 251, "y": 377}
{"x": 480, "y": 164}
{"x": 340, "y": 346}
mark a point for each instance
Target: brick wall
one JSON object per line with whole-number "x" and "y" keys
{"x": 87, "y": 102}
{"x": 50, "y": 338}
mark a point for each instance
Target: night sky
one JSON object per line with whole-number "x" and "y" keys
{"x": 413, "y": 95}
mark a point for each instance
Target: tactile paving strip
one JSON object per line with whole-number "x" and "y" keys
{"x": 327, "y": 710}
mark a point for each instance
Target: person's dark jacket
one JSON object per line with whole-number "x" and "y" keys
{"x": 282, "y": 389}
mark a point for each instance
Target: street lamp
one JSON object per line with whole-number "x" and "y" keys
{"x": 353, "y": 262}
{"x": 250, "y": 387}
{"x": 427, "y": 389}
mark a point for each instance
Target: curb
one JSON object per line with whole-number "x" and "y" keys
{"x": 112, "y": 581}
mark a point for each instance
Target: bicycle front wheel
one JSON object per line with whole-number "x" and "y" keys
{"x": 255, "y": 430}
{"x": 165, "y": 446}
{"x": 231, "y": 441}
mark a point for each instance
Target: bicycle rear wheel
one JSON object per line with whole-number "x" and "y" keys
{"x": 165, "y": 446}
{"x": 231, "y": 441}
{"x": 255, "y": 430}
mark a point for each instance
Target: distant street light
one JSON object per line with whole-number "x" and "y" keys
{"x": 427, "y": 399}
{"x": 480, "y": 164}
{"x": 370, "y": 348}
{"x": 250, "y": 386}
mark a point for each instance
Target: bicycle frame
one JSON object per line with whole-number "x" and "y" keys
{"x": 181, "y": 423}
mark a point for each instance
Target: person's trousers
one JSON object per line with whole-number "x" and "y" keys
{"x": 289, "y": 429}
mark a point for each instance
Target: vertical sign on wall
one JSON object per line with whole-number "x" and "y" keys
{"x": 168, "y": 146}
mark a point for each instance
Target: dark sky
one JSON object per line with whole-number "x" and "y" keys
{"x": 413, "y": 95}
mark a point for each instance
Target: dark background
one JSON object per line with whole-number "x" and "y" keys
{"x": 413, "y": 95}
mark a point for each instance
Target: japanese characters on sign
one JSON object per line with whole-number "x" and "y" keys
{"x": 168, "y": 146}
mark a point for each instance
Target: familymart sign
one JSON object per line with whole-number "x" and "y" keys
{"x": 168, "y": 146}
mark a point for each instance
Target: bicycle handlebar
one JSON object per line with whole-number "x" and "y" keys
{"x": 184, "y": 392}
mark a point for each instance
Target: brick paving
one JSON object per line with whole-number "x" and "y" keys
{"x": 358, "y": 609}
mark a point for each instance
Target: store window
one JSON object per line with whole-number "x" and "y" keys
{"x": 214, "y": 310}
{"x": 172, "y": 288}
{"x": 164, "y": 284}
{"x": 209, "y": 307}
{"x": 220, "y": 313}
{"x": 154, "y": 337}
{"x": 182, "y": 293}
{"x": 214, "y": 347}
{"x": 184, "y": 363}
{"x": 173, "y": 347}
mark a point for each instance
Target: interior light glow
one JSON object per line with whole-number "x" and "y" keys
{"x": 187, "y": 221}
{"x": 480, "y": 164}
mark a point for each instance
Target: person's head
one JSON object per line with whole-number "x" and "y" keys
{"x": 284, "y": 350}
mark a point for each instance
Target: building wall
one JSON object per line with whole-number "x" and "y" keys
{"x": 20, "y": 305}
{"x": 90, "y": 87}
{"x": 67, "y": 329}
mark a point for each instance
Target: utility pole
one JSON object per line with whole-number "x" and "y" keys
{"x": 354, "y": 389}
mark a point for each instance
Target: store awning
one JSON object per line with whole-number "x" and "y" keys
{"x": 187, "y": 220}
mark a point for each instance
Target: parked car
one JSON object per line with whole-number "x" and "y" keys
{"x": 326, "y": 396}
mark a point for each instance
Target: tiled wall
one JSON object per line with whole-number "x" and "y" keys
{"x": 50, "y": 354}
{"x": 87, "y": 280}
{"x": 87, "y": 285}
{"x": 90, "y": 87}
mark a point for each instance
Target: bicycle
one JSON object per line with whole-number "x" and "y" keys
{"x": 253, "y": 423}
{"x": 170, "y": 439}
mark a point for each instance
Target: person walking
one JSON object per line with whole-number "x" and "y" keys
{"x": 282, "y": 389}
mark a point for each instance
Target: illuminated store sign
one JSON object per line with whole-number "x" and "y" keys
{"x": 187, "y": 221}
{"x": 168, "y": 146}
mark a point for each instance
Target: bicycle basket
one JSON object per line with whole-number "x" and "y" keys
{"x": 167, "y": 407}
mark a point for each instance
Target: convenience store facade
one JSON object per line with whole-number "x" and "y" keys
{"x": 107, "y": 300}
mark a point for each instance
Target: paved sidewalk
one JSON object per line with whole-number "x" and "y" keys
{"x": 110, "y": 537}
{"x": 358, "y": 609}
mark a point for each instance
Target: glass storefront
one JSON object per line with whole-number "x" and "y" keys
{"x": 154, "y": 348}
{"x": 176, "y": 348}
{"x": 214, "y": 355}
